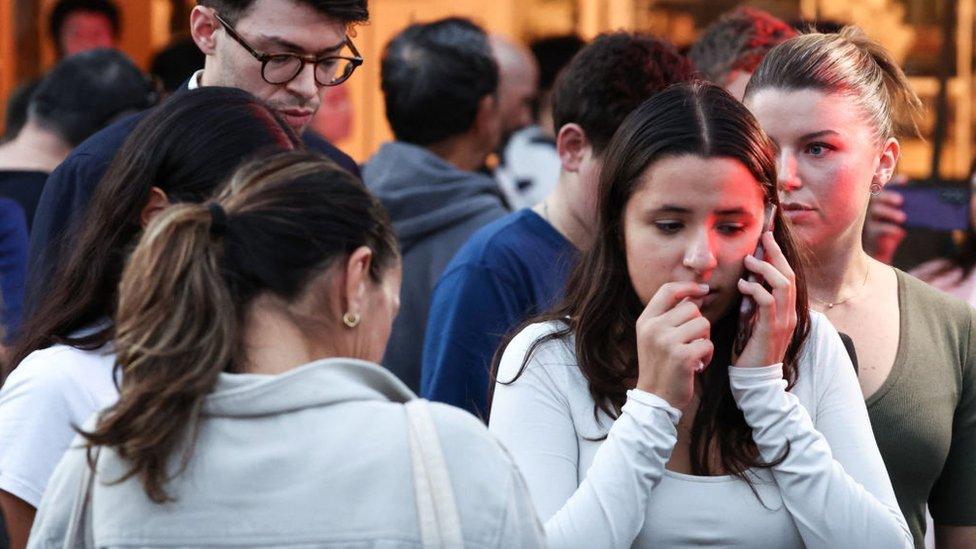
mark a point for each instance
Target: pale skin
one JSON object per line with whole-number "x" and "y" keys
{"x": 571, "y": 207}
{"x": 689, "y": 233}
{"x": 828, "y": 156}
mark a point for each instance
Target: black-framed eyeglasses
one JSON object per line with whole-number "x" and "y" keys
{"x": 281, "y": 68}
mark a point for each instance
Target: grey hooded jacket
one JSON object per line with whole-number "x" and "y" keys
{"x": 315, "y": 457}
{"x": 434, "y": 207}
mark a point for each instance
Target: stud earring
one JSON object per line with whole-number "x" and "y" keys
{"x": 876, "y": 188}
{"x": 351, "y": 320}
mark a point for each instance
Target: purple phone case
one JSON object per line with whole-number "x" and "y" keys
{"x": 938, "y": 208}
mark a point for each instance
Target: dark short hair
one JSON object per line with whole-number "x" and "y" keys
{"x": 87, "y": 91}
{"x": 738, "y": 41}
{"x": 344, "y": 11}
{"x": 17, "y": 105}
{"x": 552, "y": 54}
{"x": 612, "y": 76}
{"x": 65, "y": 8}
{"x": 433, "y": 77}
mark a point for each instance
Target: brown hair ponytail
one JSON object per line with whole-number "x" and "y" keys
{"x": 847, "y": 63}
{"x": 279, "y": 222}
{"x": 176, "y": 331}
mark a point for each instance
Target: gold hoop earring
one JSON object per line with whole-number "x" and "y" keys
{"x": 351, "y": 320}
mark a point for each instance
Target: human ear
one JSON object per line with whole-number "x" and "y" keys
{"x": 356, "y": 279}
{"x": 202, "y": 28}
{"x": 571, "y": 145}
{"x": 158, "y": 201}
{"x": 888, "y": 161}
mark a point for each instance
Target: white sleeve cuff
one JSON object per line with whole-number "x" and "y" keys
{"x": 651, "y": 400}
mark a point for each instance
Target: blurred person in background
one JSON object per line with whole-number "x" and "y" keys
{"x": 440, "y": 84}
{"x": 729, "y": 50}
{"x": 529, "y": 164}
{"x": 836, "y": 105}
{"x": 517, "y": 266}
{"x": 334, "y": 121}
{"x": 81, "y": 95}
{"x": 176, "y": 63}
{"x": 16, "y": 109}
{"x": 81, "y": 25}
{"x": 252, "y": 409}
{"x": 63, "y": 362}
{"x": 518, "y": 83}
{"x": 284, "y": 52}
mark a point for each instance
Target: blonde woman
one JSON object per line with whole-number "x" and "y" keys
{"x": 835, "y": 105}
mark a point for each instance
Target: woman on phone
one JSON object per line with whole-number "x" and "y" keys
{"x": 628, "y": 413}
{"x": 835, "y": 104}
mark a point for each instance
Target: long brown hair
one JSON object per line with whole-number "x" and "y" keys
{"x": 600, "y": 308}
{"x": 185, "y": 147}
{"x": 279, "y": 222}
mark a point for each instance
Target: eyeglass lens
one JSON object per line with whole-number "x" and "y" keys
{"x": 282, "y": 68}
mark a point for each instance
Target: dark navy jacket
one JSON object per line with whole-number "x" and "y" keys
{"x": 69, "y": 189}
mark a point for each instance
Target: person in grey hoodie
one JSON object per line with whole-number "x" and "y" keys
{"x": 439, "y": 83}
{"x": 252, "y": 412}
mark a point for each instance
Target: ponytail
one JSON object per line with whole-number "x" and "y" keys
{"x": 278, "y": 223}
{"x": 905, "y": 107}
{"x": 176, "y": 331}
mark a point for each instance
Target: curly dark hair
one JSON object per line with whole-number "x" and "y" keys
{"x": 738, "y": 41}
{"x": 610, "y": 77}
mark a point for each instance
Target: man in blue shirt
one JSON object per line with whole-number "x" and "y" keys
{"x": 517, "y": 266}
{"x": 285, "y": 52}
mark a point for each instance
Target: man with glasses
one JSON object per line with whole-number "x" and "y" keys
{"x": 284, "y": 52}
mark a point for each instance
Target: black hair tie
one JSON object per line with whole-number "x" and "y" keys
{"x": 218, "y": 223}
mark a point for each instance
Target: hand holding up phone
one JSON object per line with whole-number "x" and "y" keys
{"x": 673, "y": 342}
{"x": 775, "y": 312}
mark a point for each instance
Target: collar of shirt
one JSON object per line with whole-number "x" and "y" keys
{"x": 194, "y": 82}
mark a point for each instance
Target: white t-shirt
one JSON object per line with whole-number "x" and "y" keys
{"x": 51, "y": 391}
{"x": 832, "y": 490}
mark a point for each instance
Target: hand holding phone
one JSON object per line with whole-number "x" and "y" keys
{"x": 772, "y": 315}
{"x": 747, "y": 309}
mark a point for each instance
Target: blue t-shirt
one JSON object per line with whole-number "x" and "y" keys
{"x": 505, "y": 273}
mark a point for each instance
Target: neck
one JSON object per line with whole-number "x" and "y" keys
{"x": 34, "y": 148}
{"x": 557, "y": 210}
{"x": 837, "y": 271}
{"x": 461, "y": 152}
{"x": 273, "y": 343}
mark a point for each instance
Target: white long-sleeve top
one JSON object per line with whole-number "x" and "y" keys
{"x": 831, "y": 491}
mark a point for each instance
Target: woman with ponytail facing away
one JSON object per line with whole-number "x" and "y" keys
{"x": 252, "y": 410}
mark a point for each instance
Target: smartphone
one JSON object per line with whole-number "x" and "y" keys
{"x": 747, "y": 310}
{"x": 942, "y": 207}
